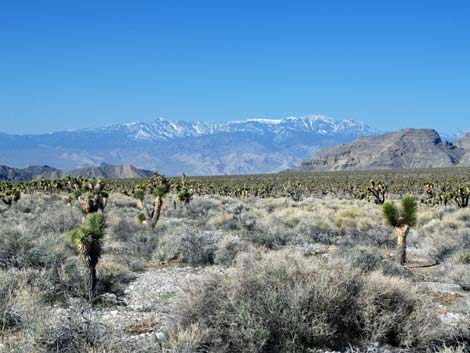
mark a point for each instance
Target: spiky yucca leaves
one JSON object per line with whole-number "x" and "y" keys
{"x": 401, "y": 219}
{"x": 88, "y": 241}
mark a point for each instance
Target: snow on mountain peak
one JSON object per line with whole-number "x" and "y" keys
{"x": 164, "y": 129}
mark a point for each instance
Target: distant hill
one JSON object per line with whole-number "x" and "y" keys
{"x": 46, "y": 172}
{"x": 403, "y": 149}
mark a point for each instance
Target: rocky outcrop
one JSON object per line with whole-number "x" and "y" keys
{"x": 403, "y": 149}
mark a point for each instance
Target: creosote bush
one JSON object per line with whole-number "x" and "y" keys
{"x": 283, "y": 302}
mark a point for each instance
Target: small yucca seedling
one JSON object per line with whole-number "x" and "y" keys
{"x": 88, "y": 241}
{"x": 401, "y": 219}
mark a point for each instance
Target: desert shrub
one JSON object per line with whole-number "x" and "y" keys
{"x": 461, "y": 276}
{"x": 187, "y": 340}
{"x": 21, "y": 248}
{"x": 286, "y": 303}
{"x": 390, "y": 267}
{"x": 124, "y": 230}
{"x": 56, "y": 219}
{"x": 228, "y": 249}
{"x": 200, "y": 208}
{"x": 273, "y": 237}
{"x": 243, "y": 220}
{"x": 364, "y": 258}
{"x": 62, "y": 281}
{"x": 292, "y": 216}
{"x": 76, "y": 332}
{"x": 50, "y": 250}
{"x": 316, "y": 231}
{"x": 15, "y": 248}
{"x": 136, "y": 265}
{"x": 463, "y": 257}
{"x": 190, "y": 246}
{"x": 379, "y": 236}
{"x": 9, "y": 318}
{"x": 439, "y": 241}
{"x": 142, "y": 243}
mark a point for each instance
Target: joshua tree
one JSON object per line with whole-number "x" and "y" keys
{"x": 184, "y": 194}
{"x": 157, "y": 186}
{"x": 10, "y": 196}
{"x": 401, "y": 219}
{"x": 378, "y": 190}
{"x": 461, "y": 196}
{"x": 88, "y": 240}
{"x": 294, "y": 190}
{"x": 96, "y": 200}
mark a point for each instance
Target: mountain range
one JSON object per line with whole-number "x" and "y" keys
{"x": 196, "y": 148}
{"x": 403, "y": 149}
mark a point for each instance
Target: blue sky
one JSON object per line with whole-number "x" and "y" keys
{"x": 392, "y": 64}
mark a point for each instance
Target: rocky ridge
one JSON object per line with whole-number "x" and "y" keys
{"x": 403, "y": 149}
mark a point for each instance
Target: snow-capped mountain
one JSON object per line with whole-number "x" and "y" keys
{"x": 163, "y": 129}
{"x": 233, "y": 147}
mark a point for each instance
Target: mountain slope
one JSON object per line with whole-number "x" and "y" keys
{"x": 46, "y": 172}
{"x": 33, "y": 172}
{"x": 234, "y": 147}
{"x": 404, "y": 149}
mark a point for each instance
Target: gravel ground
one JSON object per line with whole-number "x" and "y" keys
{"x": 144, "y": 312}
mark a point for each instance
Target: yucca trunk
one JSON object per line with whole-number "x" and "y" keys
{"x": 90, "y": 254}
{"x": 157, "y": 211}
{"x": 402, "y": 232}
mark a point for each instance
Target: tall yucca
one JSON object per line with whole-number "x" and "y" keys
{"x": 88, "y": 240}
{"x": 401, "y": 219}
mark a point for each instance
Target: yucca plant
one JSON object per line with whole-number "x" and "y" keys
{"x": 10, "y": 196}
{"x": 158, "y": 186}
{"x": 95, "y": 200}
{"x": 402, "y": 219}
{"x": 184, "y": 194}
{"x": 378, "y": 190}
{"x": 88, "y": 241}
{"x": 461, "y": 196}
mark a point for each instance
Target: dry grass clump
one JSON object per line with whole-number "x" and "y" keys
{"x": 283, "y": 302}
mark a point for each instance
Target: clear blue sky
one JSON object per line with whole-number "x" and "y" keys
{"x": 393, "y": 64}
